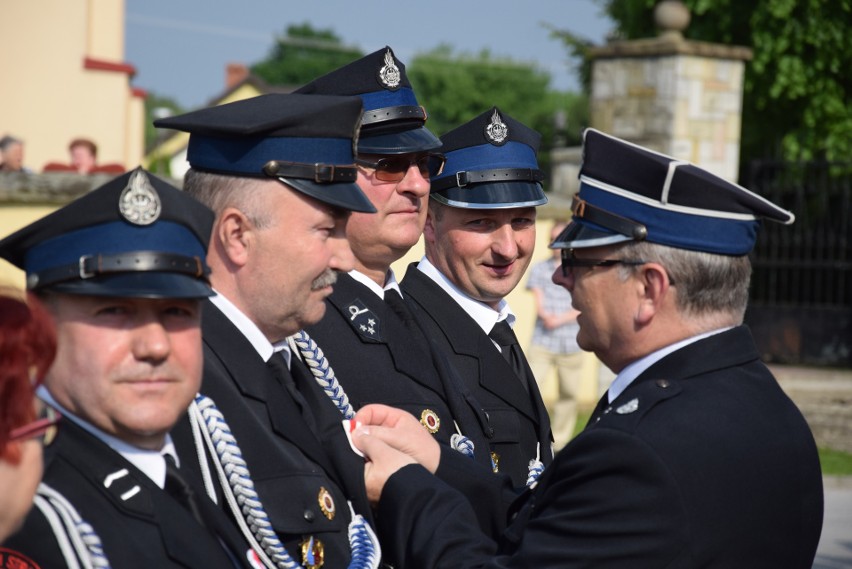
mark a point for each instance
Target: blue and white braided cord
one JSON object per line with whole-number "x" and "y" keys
{"x": 536, "y": 467}
{"x": 323, "y": 372}
{"x": 462, "y": 444}
{"x": 83, "y": 530}
{"x": 364, "y": 549}
{"x": 239, "y": 479}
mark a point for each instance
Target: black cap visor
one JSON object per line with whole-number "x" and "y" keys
{"x": 143, "y": 284}
{"x": 579, "y": 235}
{"x": 346, "y": 195}
{"x": 401, "y": 142}
{"x": 497, "y": 195}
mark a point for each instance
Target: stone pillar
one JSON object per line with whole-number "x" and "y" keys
{"x": 673, "y": 95}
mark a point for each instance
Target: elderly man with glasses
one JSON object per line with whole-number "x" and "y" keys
{"x": 694, "y": 457}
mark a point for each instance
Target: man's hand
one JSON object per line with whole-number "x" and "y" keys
{"x": 382, "y": 461}
{"x": 402, "y": 431}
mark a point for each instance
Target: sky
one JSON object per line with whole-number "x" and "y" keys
{"x": 180, "y": 47}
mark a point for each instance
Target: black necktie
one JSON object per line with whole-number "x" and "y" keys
{"x": 398, "y": 307}
{"x": 279, "y": 367}
{"x": 504, "y": 336}
{"x": 180, "y": 490}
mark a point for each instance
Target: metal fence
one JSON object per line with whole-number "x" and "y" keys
{"x": 801, "y": 293}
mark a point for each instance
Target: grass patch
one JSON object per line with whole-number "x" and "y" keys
{"x": 835, "y": 462}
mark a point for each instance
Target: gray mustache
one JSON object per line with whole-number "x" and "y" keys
{"x": 328, "y": 278}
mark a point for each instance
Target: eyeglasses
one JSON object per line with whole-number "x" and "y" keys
{"x": 43, "y": 427}
{"x": 569, "y": 261}
{"x": 394, "y": 168}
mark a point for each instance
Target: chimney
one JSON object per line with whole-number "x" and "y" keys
{"x": 234, "y": 74}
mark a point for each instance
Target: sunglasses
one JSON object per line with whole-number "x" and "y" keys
{"x": 394, "y": 168}
{"x": 569, "y": 262}
{"x": 44, "y": 427}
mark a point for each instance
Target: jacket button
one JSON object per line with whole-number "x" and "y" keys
{"x": 664, "y": 383}
{"x": 309, "y": 515}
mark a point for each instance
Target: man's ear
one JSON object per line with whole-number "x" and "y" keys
{"x": 233, "y": 235}
{"x": 653, "y": 283}
{"x": 429, "y": 230}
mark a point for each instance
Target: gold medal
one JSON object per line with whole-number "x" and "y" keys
{"x": 495, "y": 461}
{"x": 313, "y": 553}
{"x": 430, "y": 420}
{"x": 326, "y": 503}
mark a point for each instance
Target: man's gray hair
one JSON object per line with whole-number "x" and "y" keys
{"x": 219, "y": 191}
{"x": 706, "y": 283}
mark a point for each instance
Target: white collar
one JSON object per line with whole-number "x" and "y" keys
{"x": 246, "y": 325}
{"x": 626, "y": 376}
{"x": 151, "y": 462}
{"x": 390, "y": 282}
{"x": 485, "y": 316}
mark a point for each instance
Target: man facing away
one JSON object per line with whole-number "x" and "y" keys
{"x": 122, "y": 272}
{"x": 695, "y": 457}
{"x": 480, "y": 236}
{"x": 278, "y": 172}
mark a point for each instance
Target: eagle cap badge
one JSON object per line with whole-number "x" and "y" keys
{"x": 139, "y": 203}
{"x": 496, "y": 131}
{"x": 389, "y": 74}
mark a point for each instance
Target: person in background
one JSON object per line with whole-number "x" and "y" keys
{"x": 122, "y": 272}
{"x": 84, "y": 155}
{"x": 695, "y": 456}
{"x": 12, "y": 155}
{"x": 27, "y": 348}
{"x": 554, "y": 345}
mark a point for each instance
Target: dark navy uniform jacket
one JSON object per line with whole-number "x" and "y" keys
{"x": 290, "y": 463}
{"x": 702, "y": 461}
{"x": 518, "y": 425}
{"x": 378, "y": 357}
{"x": 138, "y": 523}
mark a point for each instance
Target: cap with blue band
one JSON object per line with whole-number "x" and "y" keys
{"x": 393, "y": 121}
{"x": 306, "y": 142}
{"x": 630, "y": 193}
{"x": 135, "y": 236}
{"x": 490, "y": 164}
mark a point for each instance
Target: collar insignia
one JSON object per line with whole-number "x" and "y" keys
{"x": 629, "y": 407}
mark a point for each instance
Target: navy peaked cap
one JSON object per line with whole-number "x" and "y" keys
{"x": 393, "y": 121}
{"x": 491, "y": 164}
{"x": 135, "y": 236}
{"x": 630, "y": 193}
{"x": 305, "y": 142}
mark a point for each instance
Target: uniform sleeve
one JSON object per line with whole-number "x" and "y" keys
{"x": 607, "y": 501}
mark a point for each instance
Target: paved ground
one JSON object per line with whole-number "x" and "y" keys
{"x": 835, "y": 546}
{"x": 825, "y": 398}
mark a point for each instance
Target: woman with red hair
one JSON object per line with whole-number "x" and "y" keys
{"x": 27, "y": 348}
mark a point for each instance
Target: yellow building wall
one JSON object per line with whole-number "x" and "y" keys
{"x": 48, "y": 97}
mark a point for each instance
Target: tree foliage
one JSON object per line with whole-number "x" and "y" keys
{"x": 454, "y": 88}
{"x": 798, "y": 89}
{"x": 303, "y": 54}
{"x": 157, "y": 106}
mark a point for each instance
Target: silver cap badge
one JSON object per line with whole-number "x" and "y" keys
{"x": 389, "y": 73}
{"x": 496, "y": 131}
{"x": 139, "y": 202}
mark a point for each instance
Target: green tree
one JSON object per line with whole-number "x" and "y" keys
{"x": 798, "y": 89}
{"x": 454, "y": 88}
{"x": 303, "y": 54}
{"x": 157, "y": 106}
